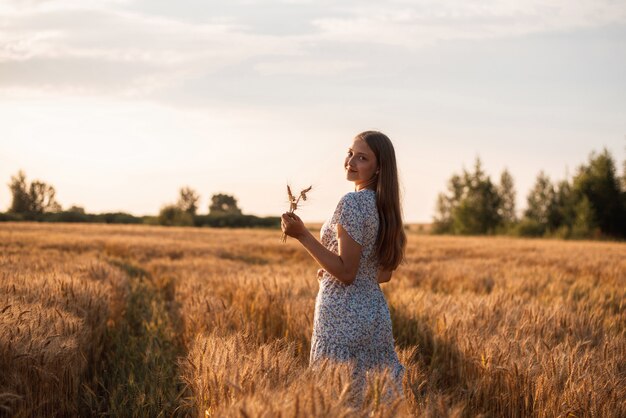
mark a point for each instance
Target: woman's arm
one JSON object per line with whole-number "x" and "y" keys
{"x": 344, "y": 266}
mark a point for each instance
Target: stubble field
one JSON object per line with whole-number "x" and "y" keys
{"x": 101, "y": 320}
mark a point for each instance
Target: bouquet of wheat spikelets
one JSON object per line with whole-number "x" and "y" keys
{"x": 293, "y": 203}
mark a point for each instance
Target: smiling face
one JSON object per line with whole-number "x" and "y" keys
{"x": 361, "y": 165}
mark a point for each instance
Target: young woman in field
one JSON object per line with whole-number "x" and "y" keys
{"x": 361, "y": 245}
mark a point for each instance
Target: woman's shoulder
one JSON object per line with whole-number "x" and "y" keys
{"x": 350, "y": 199}
{"x": 359, "y": 195}
{"x": 358, "y": 200}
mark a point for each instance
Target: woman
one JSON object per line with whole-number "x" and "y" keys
{"x": 361, "y": 245}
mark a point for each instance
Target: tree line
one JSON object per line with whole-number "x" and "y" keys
{"x": 223, "y": 212}
{"x": 36, "y": 201}
{"x": 592, "y": 204}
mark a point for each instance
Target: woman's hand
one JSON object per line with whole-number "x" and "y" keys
{"x": 292, "y": 225}
{"x": 320, "y": 273}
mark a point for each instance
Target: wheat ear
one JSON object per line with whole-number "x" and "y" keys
{"x": 293, "y": 204}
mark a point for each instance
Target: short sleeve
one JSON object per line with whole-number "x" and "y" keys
{"x": 351, "y": 218}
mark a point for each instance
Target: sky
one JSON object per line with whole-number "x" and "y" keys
{"x": 120, "y": 103}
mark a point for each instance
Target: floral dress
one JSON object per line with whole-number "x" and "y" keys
{"x": 352, "y": 322}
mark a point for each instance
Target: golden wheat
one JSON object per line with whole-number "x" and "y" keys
{"x": 485, "y": 326}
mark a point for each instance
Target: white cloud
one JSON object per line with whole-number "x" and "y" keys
{"x": 30, "y": 5}
{"x": 20, "y": 46}
{"x": 140, "y": 49}
{"x": 307, "y": 67}
{"x": 412, "y": 24}
{"x": 60, "y": 44}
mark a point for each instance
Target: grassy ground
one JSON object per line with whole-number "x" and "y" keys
{"x": 115, "y": 320}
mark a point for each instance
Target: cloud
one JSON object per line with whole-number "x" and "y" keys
{"x": 30, "y": 5}
{"x": 136, "y": 48}
{"x": 412, "y": 24}
{"x": 53, "y": 47}
{"x": 306, "y": 67}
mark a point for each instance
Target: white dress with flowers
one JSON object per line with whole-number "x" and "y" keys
{"x": 352, "y": 322}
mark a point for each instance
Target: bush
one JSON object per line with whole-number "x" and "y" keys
{"x": 150, "y": 220}
{"x": 562, "y": 232}
{"x": 67, "y": 216}
{"x": 117, "y": 218}
{"x": 73, "y": 216}
{"x": 11, "y": 217}
{"x": 529, "y": 228}
{"x": 236, "y": 221}
{"x": 172, "y": 215}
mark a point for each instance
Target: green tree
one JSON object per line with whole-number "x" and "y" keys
{"x": 472, "y": 205}
{"x": 478, "y": 212}
{"x": 624, "y": 184}
{"x": 188, "y": 200}
{"x": 584, "y": 225}
{"x": 223, "y": 204}
{"x": 42, "y": 198}
{"x": 599, "y": 183}
{"x": 564, "y": 210}
{"x": 541, "y": 202}
{"x": 624, "y": 176}
{"x": 76, "y": 209}
{"x": 36, "y": 198}
{"x": 506, "y": 189}
{"x": 443, "y": 222}
{"x": 173, "y": 215}
{"x": 19, "y": 191}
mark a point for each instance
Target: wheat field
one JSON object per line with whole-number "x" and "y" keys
{"x": 103, "y": 320}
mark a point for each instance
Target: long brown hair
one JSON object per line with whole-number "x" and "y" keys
{"x": 391, "y": 240}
